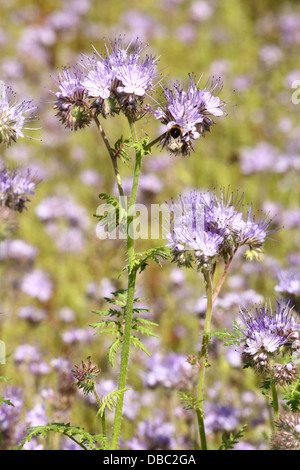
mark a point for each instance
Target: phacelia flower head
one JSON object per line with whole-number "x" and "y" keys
{"x": 15, "y": 187}
{"x": 14, "y": 115}
{"x": 206, "y": 226}
{"x": 188, "y": 236}
{"x": 267, "y": 333}
{"x": 188, "y": 114}
{"x": 69, "y": 100}
{"x": 131, "y": 76}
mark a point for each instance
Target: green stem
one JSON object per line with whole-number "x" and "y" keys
{"x": 130, "y": 300}
{"x": 202, "y": 361}
{"x": 275, "y": 401}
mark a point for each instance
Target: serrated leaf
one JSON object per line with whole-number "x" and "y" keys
{"x": 110, "y": 401}
{"x": 120, "y": 149}
{"x": 79, "y": 435}
{"x": 145, "y": 331}
{"x": 139, "y": 345}
{"x": 113, "y": 349}
{"x": 144, "y": 321}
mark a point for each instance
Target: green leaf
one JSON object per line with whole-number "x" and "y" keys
{"x": 230, "y": 441}
{"x": 142, "y": 259}
{"x": 139, "y": 345}
{"x": 190, "y": 402}
{"x": 121, "y": 149}
{"x": 86, "y": 440}
{"x": 113, "y": 349}
{"x": 4, "y": 400}
{"x": 110, "y": 400}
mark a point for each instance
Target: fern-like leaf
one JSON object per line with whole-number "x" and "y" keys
{"x": 190, "y": 402}
{"x": 121, "y": 149}
{"x": 110, "y": 400}
{"x": 229, "y": 442}
{"x": 84, "y": 439}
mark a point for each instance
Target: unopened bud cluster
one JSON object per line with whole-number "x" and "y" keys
{"x": 287, "y": 435}
{"x": 86, "y": 375}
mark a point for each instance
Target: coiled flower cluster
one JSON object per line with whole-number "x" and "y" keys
{"x": 270, "y": 336}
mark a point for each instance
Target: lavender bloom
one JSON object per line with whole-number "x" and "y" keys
{"x": 288, "y": 282}
{"x": 169, "y": 371}
{"x": 13, "y": 115}
{"x": 220, "y": 417}
{"x": 134, "y": 76}
{"x": 266, "y": 333}
{"x": 72, "y": 111}
{"x": 188, "y": 114}
{"x": 17, "y": 249}
{"x": 15, "y": 186}
{"x": 209, "y": 226}
{"x": 37, "y": 284}
{"x": 98, "y": 80}
{"x": 153, "y": 434}
{"x": 120, "y": 79}
{"x": 32, "y": 314}
{"x": 10, "y": 417}
{"x": 37, "y": 416}
{"x": 77, "y": 335}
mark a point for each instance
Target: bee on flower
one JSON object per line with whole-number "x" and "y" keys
{"x": 187, "y": 115}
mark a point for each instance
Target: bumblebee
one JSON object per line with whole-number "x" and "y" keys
{"x": 173, "y": 139}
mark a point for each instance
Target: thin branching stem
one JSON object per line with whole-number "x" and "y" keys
{"x": 203, "y": 359}
{"x": 130, "y": 297}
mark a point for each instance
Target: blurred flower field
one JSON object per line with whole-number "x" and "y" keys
{"x": 55, "y": 271}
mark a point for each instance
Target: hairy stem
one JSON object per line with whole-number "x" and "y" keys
{"x": 202, "y": 360}
{"x": 275, "y": 401}
{"x": 130, "y": 299}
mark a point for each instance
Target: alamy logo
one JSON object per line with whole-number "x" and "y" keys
{"x": 296, "y": 94}
{"x": 152, "y": 222}
{"x": 2, "y": 352}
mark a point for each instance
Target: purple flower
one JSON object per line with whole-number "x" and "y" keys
{"x": 153, "y": 434}
{"x": 13, "y": 115}
{"x": 10, "y": 417}
{"x": 220, "y": 417}
{"x": 18, "y": 249}
{"x": 265, "y": 332}
{"x": 168, "y": 371}
{"x": 25, "y": 353}
{"x": 289, "y": 282}
{"x": 37, "y": 284}
{"x": 120, "y": 78}
{"x": 32, "y": 313}
{"x": 37, "y": 416}
{"x": 77, "y": 335}
{"x": 206, "y": 226}
{"x": 99, "y": 77}
{"x": 188, "y": 114}
{"x": 15, "y": 186}
{"x": 69, "y": 101}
